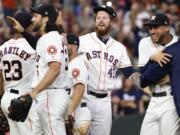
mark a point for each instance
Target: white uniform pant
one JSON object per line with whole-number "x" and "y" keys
{"x": 161, "y": 117}
{"x": 101, "y": 114}
{"x": 16, "y": 128}
{"x": 82, "y": 114}
{"x": 51, "y": 107}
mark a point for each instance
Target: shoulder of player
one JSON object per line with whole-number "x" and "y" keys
{"x": 117, "y": 44}
{"x": 49, "y": 38}
{"x": 84, "y": 37}
{"x": 2, "y": 45}
{"x": 144, "y": 41}
{"x": 19, "y": 42}
{"x": 76, "y": 61}
{"x": 174, "y": 40}
{"x": 79, "y": 60}
{"x": 173, "y": 48}
{"x": 51, "y": 35}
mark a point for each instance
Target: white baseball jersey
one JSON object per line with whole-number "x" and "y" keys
{"x": 48, "y": 50}
{"x": 146, "y": 49}
{"x": 78, "y": 71}
{"x": 104, "y": 60}
{"x": 17, "y": 63}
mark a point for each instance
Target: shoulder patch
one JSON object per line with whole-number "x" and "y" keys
{"x": 52, "y": 50}
{"x": 75, "y": 73}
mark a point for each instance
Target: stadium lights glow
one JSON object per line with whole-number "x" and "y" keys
{"x": 109, "y": 3}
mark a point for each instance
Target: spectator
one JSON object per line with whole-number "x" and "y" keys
{"x": 9, "y": 7}
{"x": 128, "y": 99}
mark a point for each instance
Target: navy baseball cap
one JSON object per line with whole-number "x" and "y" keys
{"x": 108, "y": 9}
{"x": 72, "y": 39}
{"x": 158, "y": 19}
{"x": 23, "y": 18}
{"x": 45, "y": 10}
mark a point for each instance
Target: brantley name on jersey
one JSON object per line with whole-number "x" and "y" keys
{"x": 16, "y": 51}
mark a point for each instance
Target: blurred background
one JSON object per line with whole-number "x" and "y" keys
{"x": 128, "y": 102}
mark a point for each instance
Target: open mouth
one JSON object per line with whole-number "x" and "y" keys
{"x": 153, "y": 36}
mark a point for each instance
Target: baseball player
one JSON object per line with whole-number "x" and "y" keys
{"x": 17, "y": 62}
{"x": 153, "y": 73}
{"x": 78, "y": 74}
{"x": 105, "y": 55}
{"x": 51, "y": 74}
{"x": 161, "y": 116}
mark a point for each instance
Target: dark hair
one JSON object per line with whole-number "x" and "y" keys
{"x": 51, "y": 26}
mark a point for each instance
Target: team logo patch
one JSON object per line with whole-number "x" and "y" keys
{"x": 52, "y": 50}
{"x": 75, "y": 73}
{"x": 153, "y": 17}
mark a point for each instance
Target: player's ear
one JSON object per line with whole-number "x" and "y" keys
{"x": 45, "y": 20}
{"x": 167, "y": 28}
{"x": 112, "y": 20}
{"x": 74, "y": 47}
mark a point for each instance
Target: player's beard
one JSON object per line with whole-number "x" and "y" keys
{"x": 36, "y": 26}
{"x": 102, "y": 32}
{"x": 69, "y": 52}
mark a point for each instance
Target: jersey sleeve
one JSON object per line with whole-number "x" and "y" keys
{"x": 143, "y": 51}
{"x": 81, "y": 45}
{"x": 124, "y": 61}
{"x": 55, "y": 49}
{"x": 78, "y": 72}
{"x": 153, "y": 73}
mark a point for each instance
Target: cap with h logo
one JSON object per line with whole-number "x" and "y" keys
{"x": 108, "y": 9}
{"x": 158, "y": 19}
{"x": 45, "y": 10}
{"x": 72, "y": 39}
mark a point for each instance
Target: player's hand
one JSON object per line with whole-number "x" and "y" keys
{"x": 161, "y": 58}
{"x": 16, "y": 25}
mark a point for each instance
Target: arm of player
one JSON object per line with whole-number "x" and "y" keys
{"x": 153, "y": 73}
{"x": 127, "y": 71}
{"x": 29, "y": 37}
{"x": 76, "y": 97}
{"x": 32, "y": 40}
{"x": 52, "y": 73}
